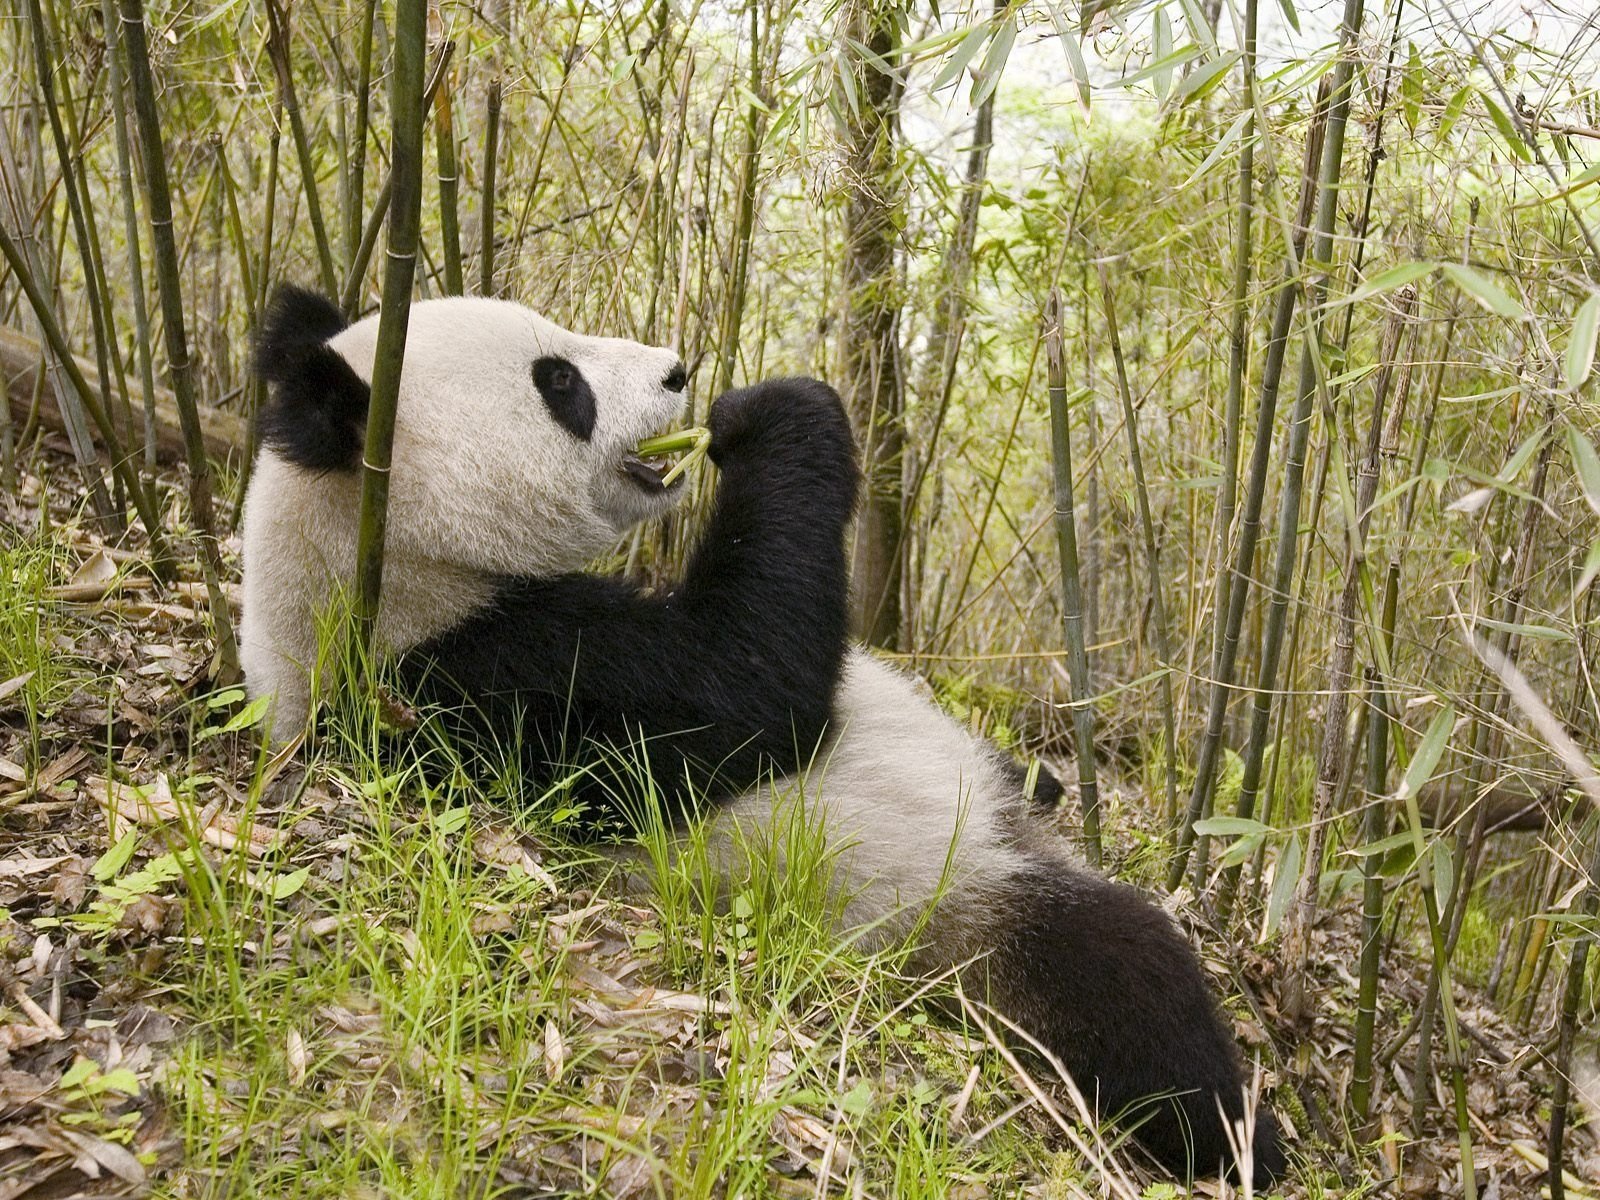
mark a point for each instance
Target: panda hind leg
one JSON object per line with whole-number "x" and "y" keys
{"x": 1099, "y": 975}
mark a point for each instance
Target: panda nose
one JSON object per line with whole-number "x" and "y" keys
{"x": 677, "y": 378}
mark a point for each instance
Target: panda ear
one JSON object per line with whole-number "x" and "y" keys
{"x": 316, "y": 415}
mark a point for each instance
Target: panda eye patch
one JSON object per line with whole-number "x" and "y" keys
{"x": 566, "y": 393}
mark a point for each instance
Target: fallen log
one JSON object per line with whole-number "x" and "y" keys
{"x": 21, "y": 357}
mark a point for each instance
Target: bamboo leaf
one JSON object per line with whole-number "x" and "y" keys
{"x": 1587, "y": 464}
{"x": 1521, "y": 457}
{"x": 1580, "y": 346}
{"x": 1230, "y": 827}
{"x": 1423, "y": 762}
{"x": 1452, "y": 113}
{"x": 1217, "y": 151}
{"x": 1387, "y": 281}
{"x": 1411, "y": 88}
{"x": 1160, "y": 48}
{"x": 1284, "y": 879}
{"x": 1074, "y": 53}
{"x": 1485, "y": 292}
{"x": 1289, "y": 14}
{"x": 962, "y": 55}
{"x": 1508, "y": 130}
{"x": 1204, "y": 79}
{"x": 994, "y": 63}
{"x": 1591, "y": 569}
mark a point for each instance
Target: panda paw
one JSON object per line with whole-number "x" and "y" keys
{"x": 783, "y": 420}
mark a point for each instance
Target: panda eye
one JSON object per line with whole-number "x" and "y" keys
{"x": 566, "y": 394}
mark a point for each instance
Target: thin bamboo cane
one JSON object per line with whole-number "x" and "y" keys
{"x": 1071, "y": 586}
{"x": 1152, "y": 554}
{"x": 407, "y": 107}
{"x": 153, "y": 156}
{"x": 491, "y": 145}
{"x": 278, "y": 52}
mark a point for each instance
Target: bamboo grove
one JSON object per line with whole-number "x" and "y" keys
{"x": 1229, "y": 414}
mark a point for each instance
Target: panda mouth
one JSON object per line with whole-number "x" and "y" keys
{"x": 650, "y": 473}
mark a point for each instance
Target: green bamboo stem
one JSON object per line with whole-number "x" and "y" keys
{"x": 449, "y": 192}
{"x": 491, "y": 153}
{"x": 1238, "y": 340}
{"x": 179, "y": 368}
{"x": 355, "y": 188}
{"x": 1071, "y": 585}
{"x": 405, "y": 213}
{"x": 278, "y": 52}
{"x": 744, "y": 217}
{"x": 130, "y": 224}
{"x": 1250, "y": 517}
{"x": 1130, "y": 422}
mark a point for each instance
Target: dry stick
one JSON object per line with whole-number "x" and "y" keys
{"x": 1071, "y": 586}
{"x": 491, "y": 146}
{"x": 130, "y": 224}
{"x": 405, "y": 215}
{"x": 278, "y": 52}
{"x": 45, "y": 71}
{"x": 153, "y": 155}
{"x": 1152, "y": 555}
{"x": 1250, "y": 518}
{"x": 1331, "y": 756}
{"x": 161, "y": 564}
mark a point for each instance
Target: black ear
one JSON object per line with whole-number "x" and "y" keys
{"x": 316, "y": 414}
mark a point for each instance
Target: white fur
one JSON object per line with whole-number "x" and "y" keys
{"x": 483, "y": 482}
{"x": 914, "y": 806}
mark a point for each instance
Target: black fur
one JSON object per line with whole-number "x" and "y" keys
{"x": 1100, "y": 976}
{"x": 726, "y": 677}
{"x": 316, "y": 414}
{"x": 567, "y": 394}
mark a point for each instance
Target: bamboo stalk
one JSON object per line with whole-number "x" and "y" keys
{"x": 278, "y": 52}
{"x": 491, "y": 146}
{"x": 744, "y": 217}
{"x": 153, "y": 156}
{"x": 405, "y": 214}
{"x": 1250, "y": 518}
{"x": 1071, "y": 586}
{"x": 355, "y": 188}
{"x": 130, "y": 224}
{"x": 1130, "y": 422}
{"x": 449, "y": 193}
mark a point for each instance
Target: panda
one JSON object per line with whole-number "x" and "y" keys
{"x": 513, "y": 466}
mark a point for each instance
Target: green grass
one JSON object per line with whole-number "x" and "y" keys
{"x": 28, "y": 566}
{"x": 421, "y": 1015}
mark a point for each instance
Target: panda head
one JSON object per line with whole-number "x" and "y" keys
{"x": 512, "y": 455}
{"x": 513, "y": 436}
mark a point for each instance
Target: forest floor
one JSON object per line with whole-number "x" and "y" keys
{"x": 222, "y": 974}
